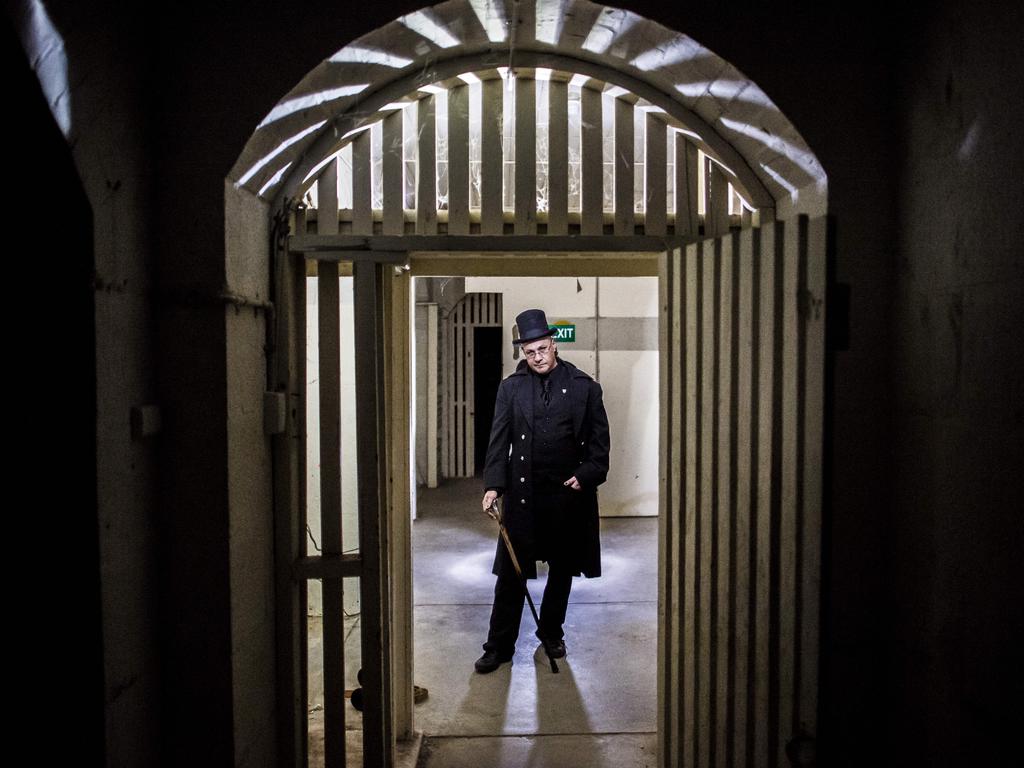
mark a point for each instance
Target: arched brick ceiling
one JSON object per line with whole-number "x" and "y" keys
{"x": 735, "y": 120}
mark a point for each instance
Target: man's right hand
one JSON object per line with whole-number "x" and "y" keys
{"x": 489, "y": 499}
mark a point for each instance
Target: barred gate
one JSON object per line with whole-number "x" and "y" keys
{"x": 742, "y": 334}
{"x": 458, "y": 428}
{"x": 523, "y": 155}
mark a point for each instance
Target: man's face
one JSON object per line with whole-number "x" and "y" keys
{"x": 540, "y": 355}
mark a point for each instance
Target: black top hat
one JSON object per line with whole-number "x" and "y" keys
{"x": 532, "y": 325}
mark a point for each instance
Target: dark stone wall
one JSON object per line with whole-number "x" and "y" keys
{"x": 916, "y": 121}
{"x": 954, "y": 660}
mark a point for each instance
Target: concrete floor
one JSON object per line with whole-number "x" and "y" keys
{"x": 599, "y": 710}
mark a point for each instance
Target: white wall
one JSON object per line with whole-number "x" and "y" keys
{"x": 624, "y": 360}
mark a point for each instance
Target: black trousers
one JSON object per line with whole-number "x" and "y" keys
{"x": 508, "y": 608}
{"x": 509, "y": 596}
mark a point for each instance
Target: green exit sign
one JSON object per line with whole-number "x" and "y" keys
{"x": 565, "y": 332}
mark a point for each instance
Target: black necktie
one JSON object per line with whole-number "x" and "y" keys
{"x": 546, "y": 392}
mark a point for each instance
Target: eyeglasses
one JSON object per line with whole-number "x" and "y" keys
{"x": 540, "y": 351}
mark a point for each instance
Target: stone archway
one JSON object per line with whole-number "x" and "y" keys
{"x": 732, "y": 121}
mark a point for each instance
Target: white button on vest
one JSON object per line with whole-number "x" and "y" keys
{"x": 522, "y": 479}
{"x": 520, "y": 458}
{"x": 522, "y": 437}
{"x": 522, "y": 501}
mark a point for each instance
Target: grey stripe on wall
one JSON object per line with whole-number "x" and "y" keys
{"x": 618, "y": 334}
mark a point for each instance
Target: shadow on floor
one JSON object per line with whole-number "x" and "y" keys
{"x": 599, "y": 710}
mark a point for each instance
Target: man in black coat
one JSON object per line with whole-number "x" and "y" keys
{"x": 547, "y": 454}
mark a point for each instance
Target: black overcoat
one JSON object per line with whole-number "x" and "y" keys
{"x": 508, "y": 467}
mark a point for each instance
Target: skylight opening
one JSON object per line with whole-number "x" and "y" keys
{"x": 377, "y": 166}
{"x": 611, "y": 24}
{"x": 670, "y": 170}
{"x": 575, "y": 142}
{"x": 262, "y": 162}
{"x": 353, "y": 54}
{"x": 426, "y": 26}
{"x": 615, "y": 101}
{"x": 410, "y": 154}
{"x": 549, "y": 18}
{"x": 275, "y": 178}
{"x": 678, "y": 51}
{"x": 639, "y": 161}
{"x": 608, "y": 152}
{"x": 543, "y": 112}
{"x": 290, "y": 107}
{"x": 508, "y": 145}
{"x": 475, "y": 141}
{"x": 491, "y": 14}
{"x": 441, "y": 148}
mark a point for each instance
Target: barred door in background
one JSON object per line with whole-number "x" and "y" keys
{"x": 476, "y": 310}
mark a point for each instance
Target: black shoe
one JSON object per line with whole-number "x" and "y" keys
{"x": 490, "y": 661}
{"x": 555, "y": 649}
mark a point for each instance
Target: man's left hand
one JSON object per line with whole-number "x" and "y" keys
{"x": 573, "y": 483}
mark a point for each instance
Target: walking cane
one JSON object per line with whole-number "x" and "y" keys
{"x": 496, "y": 516}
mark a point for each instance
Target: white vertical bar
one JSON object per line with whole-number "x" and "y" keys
{"x": 426, "y": 168}
{"x": 709, "y": 315}
{"x": 669, "y": 679}
{"x": 788, "y": 530}
{"x": 491, "y": 159}
{"x": 690, "y": 594}
{"x": 460, "y": 391}
{"x": 329, "y": 383}
{"x": 592, "y": 193}
{"x": 327, "y": 199}
{"x": 362, "y": 173}
{"x": 558, "y": 158}
{"x": 458, "y": 160}
{"x": 370, "y": 312}
{"x": 526, "y": 157}
{"x": 655, "y": 170}
{"x": 394, "y": 204}
{"x": 716, "y": 216}
{"x": 624, "y": 158}
{"x": 399, "y": 493}
{"x": 726, "y": 452}
{"x": 766, "y": 372}
{"x": 680, "y": 494}
{"x": 744, "y": 499}
{"x": 432, "y": 395}
{"x": 815, "y": 309}
{"x": 686, "y": 188}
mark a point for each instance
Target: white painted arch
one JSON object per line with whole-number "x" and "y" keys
{"x": 734, "y": 121}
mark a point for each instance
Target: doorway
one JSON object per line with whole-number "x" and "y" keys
{"x": 486, "y": 377}
{"x": 605, "y": 698}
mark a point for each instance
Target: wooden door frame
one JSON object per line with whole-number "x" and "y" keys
{"x": 382, "y": 268}
{"x": 382, "y": 315}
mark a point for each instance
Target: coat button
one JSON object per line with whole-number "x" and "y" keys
{"x": 522, "y": 479}
{"x": 522, "y": 437}
{"x": 522, "y": 501}
{"x": 521, "y": 458}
